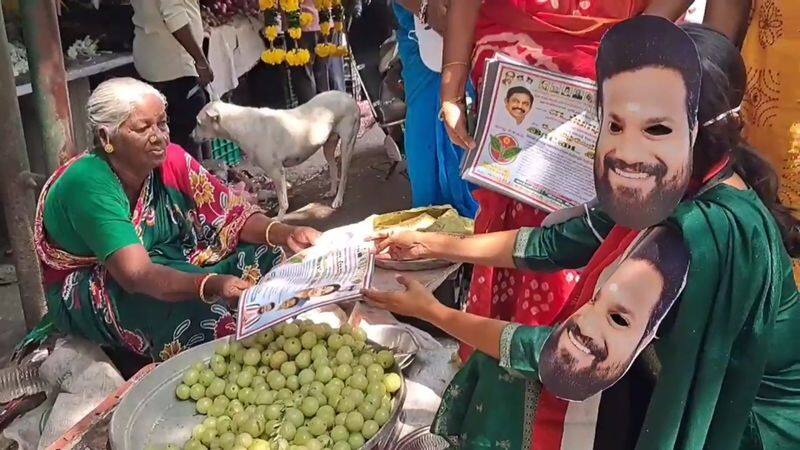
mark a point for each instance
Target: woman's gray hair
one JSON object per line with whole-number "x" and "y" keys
{"x": 113, "y": 101}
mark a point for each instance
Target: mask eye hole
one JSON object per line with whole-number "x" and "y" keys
{"x": 658, "y": 130}
{"x": 619, "y": 319}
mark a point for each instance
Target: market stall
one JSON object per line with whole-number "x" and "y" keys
{"x": 127, "y": 411}
{"x": 95, "y": 44}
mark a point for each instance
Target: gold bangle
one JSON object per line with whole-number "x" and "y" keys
{"x": 266, "y": 233}
{"x": 203, "y": 288}
{"x": 455, "y": 63}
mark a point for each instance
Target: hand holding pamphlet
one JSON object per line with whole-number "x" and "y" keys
{"x": 536, "y": 136}
{"x": 318, "y": 276}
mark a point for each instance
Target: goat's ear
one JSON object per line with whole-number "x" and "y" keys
{"x": 213, "y": 114}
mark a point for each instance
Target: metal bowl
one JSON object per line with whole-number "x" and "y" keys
{"x": 151, "y": 415}
{"x": 398, "y": 340}
{"x": 421, "y": 439}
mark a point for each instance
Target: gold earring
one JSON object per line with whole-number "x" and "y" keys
{"x": 108, "y": 148}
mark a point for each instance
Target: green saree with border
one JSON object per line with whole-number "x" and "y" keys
{"x": 730, "y": 374}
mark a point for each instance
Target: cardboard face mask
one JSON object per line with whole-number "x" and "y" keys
{"x": 648, "y": 85}
{"x": 596, "y": 345}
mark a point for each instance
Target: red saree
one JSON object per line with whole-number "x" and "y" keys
{"x": 558, "y": 35}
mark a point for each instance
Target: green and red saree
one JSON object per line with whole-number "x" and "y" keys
{"x": 729, "y": 373}
{"x": 186, "y": 219}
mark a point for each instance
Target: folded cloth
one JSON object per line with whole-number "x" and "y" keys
{"x": 222, "y": 41}
{"x": 249, "y": 46}
{"x": 233, "y": 50}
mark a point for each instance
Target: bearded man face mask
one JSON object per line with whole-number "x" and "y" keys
{"x": 649, "y": 74}
{"x": 644, "y": 153}
{"x": 647, "y": 111}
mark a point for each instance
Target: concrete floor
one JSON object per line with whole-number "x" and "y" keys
{"x": 368, "y": 192}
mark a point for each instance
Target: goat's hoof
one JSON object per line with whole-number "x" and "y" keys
{"x": 336, "y": 203}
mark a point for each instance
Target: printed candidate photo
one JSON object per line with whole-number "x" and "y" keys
{"x": 519, "y": 102}
{"x": 300, "y": 298}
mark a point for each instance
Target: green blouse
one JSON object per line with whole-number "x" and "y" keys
{"x": 730, "y": 374}
{"x": 87, "y": 213}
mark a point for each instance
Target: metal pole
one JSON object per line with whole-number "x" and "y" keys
{"x": 16, "y": 194}
{"x": 49, "y": 79}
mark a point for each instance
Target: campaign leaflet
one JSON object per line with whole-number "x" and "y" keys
{"x": 313, "y": 278}
{"x": 536, "y": 136}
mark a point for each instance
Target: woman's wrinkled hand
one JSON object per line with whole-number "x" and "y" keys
{"x": 226, "y": 287}
{"x": 415, "y": 301}
{"x": 301, "y": 238}
{"x": 454, "y": 116}
{"x": 404, "y": 246}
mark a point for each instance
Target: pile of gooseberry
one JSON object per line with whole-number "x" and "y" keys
{"x": 296, "y": 386}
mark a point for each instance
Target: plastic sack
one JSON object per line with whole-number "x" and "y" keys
{"x": 80, "y": 376}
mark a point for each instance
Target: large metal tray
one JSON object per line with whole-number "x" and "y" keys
{"x": 421, "y": 439}
{"x": 151, "y": 415}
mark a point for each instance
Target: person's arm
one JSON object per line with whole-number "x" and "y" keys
{"x": 489, "y": 249}
{"x": 668, "y": 9}
{"x": 411, "y": 5}
{"x": 567, "y": 245}
{"x": 729, "y": 17}
{"x": 515, "y": 347}
{"x": 177, "y": 21}
{"x": 133, "y": 270}
{"x": 462, "y": 16}
{"x": 255, "y": 230}
{"x": 185, "y": 38}
{"x": 436, "y": 12}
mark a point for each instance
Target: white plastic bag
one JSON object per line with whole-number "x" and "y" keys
{"x": 80, "y": 377}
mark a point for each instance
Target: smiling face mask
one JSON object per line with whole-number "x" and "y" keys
{"x": 593, "y": 348}
{"x": 648, "y": 82}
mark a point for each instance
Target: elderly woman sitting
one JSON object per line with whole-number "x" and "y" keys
{"x": 141, "y": 247}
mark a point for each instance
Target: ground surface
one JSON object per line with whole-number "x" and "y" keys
{"x": 368, "y": 192}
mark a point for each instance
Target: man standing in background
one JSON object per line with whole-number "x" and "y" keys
{"x": 167, "y": 53}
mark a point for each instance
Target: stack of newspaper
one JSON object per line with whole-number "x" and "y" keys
{"x": 536, "y": 136}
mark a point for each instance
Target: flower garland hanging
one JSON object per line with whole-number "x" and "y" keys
{"x": 338, "y": 15}
{"x": 297, "y": 56}
{"x": 272, "y": 56}
{"x": 294, "y": 18}
{"x": 331, "y": 19}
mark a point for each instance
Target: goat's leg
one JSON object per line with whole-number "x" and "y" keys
{"x": 329, "y": 150}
